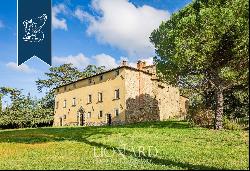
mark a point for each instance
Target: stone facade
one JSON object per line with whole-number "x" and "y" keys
{"x": 141, "y": 97}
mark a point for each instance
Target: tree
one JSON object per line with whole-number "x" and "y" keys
{"x": 24, "y": 111}
{"x": 204, "y": 47}
{"x": 14, "y": 93}
{"x": 58, "y": 76}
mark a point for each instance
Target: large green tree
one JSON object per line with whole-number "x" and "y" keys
{"x": 23, "y": 111}
{"x": 204, "y": 47}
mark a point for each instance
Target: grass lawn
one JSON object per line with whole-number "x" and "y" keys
{"x": 157, "y": 145}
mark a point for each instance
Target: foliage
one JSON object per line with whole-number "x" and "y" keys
{"x": 204, "y": 48}
{"x": 237, "y": 102}
{"x": 201, "y": 116}
{"x": 24, "y": 111}
{"x": 179, "y": 147}
{"x": 227, "y": 124}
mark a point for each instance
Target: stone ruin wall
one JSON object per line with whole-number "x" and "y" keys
{"x": 148, "y": 99}
{"x": 141, "y": 104}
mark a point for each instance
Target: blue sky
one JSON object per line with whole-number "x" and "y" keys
{"x": 100, "y": 32}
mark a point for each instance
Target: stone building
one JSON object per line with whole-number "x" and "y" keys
{"x": 120, "y": 95}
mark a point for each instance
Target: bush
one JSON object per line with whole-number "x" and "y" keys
{"x": 201, "y": 117}
{"x": 231, "y": 125}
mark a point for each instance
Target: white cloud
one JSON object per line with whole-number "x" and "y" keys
{"x": 105, "y": 60}
{"x": 81, "y": 15}
{"x": 22, "y": 68}
{"x": 80, "y": 61}
{"x": 59, "y": 23}
{"x": 123, "y": 25}
{"x": 1, "y": 24}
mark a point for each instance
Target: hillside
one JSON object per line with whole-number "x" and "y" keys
{"x": 157, "y": 145}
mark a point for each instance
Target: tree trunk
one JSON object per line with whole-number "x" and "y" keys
{"x": 219, "y": 109}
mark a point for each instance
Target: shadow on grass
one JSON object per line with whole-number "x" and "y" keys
{"x": 82, "y": 134}
{"x": 157, "y": 124}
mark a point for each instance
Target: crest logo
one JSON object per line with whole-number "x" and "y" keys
{"x": 33, "y": 29}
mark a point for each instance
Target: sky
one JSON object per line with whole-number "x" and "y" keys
{"x": 100, "y": 32}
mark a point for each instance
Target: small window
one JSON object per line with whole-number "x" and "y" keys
{"x": 90, "y": 81}
{"x": 74, "y": 102}
{"x": 100, "y": 114}
{"x": 100, "y": 97}
{"x": 57, "y": 105}
{"x": 90, "y": 98}
{"x": 89, "y": 115}
{"x": 117, "y": 94}
{"x": 117, "y": 72}
{"x": 64, "y": 103}
{"x": 116, "y": 112}
{"x": 101, "y": 77}
{"x": 64, "y": 117}
{"x": 57, "y": 90}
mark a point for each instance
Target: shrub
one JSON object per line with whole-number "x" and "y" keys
{"x": 201, "y": 117}
{"x": 231, "y": 125}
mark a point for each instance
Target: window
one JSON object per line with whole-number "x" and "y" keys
{"x": 117, "y": 94}
{"x": 116, "y": 112}
{"x": 117, "y": 72}
{"x": 101, "y": 77}
{"x": 57, "y": 105}
{"x": 90, "y": 98}
{"x": 100, "y": 114}
{"x": 89, "y": 115}
{"x": 74, "y": 102}
{"x": 57, "y": 90}
{"x": 64, "y": 103}
{"x": 99, "y": 97}
{"x": 90, "y": 81}
{"x": 64, "y": 117}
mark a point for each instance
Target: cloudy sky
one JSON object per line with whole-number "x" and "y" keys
{"x": 100, "y": 32}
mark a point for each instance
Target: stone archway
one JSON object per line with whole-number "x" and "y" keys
{"x": 81, "y": 116}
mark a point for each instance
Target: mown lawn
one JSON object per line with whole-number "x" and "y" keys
{"x": 157, "y": 145}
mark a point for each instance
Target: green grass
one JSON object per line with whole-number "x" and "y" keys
{"x": 172, "y": 145}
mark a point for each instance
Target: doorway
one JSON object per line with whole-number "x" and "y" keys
{"x": 109, "y": 119}
{"x": 82, "y": 119}
{"x": 81, "y": 116}
{"x": 61, "y": 121}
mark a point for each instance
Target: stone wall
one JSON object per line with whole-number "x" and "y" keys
{"x": 148, "y": 99}
{"x": 168, "y": 98}
{"x": 141, "y": 104}
{"x": 145, "y": 110}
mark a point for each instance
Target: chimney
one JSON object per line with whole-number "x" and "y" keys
{"x": 124, "y": 63}
{"x": 141, "y": 65}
